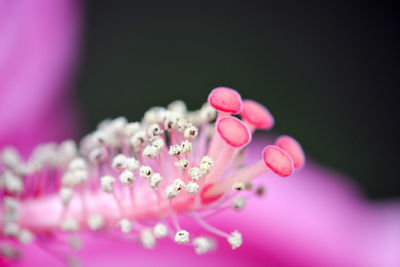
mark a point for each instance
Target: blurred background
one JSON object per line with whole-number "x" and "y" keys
{"x": 328, "y": 71}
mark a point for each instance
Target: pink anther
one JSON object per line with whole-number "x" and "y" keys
{"x": 278, "y": 160}
{"x": 233, "y": 131}
{"x": 293, "y": 148}
{"x": 226, "y": 100}
{"x": 256, "y": 116}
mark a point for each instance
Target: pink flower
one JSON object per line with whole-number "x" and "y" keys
{"x": 313, "y": 218}
{"x": 128, "y": 192}
{"x": 37, "y": 54}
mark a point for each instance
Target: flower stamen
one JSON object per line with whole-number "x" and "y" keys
{"x": 121, "y": 179}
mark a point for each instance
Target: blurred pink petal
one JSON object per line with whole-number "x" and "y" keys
{"x": 38, "y": 48}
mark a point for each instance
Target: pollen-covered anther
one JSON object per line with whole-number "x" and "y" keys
{"x": 202, "y": 245}
{"x": 107, "y": 183}
{"x": 238, "y": 203}
{"x": 235, "y": 239}
{"x": 70, "y": 225}
{"x": 206, "y": 164}
{"x": 95, "y": 222}
{"x": 99, "y": 138}
{"x": 81, "y": 176}
{"x": 178, "y": 184}
{"x": 205, "y": 168}
{"x": 68, "y": 179}
{"x": 175, "y": 150}
{"x": 65, "y": 195}
{"x": 155, "y": 180}
{"x": 77, "y": 173}
{"x": 207, "y": 160}
{"x": 182, "y": 124}
{"x": 119, "y": 162}
{"x": 10, "y": 204}
{"x": 186, "y": 146}
{"x": 145, "y": 171}
{"x": 207, "y": 112}
{"x": 158, "y": 143}
{"x": 10, "y": 229}
{"x": 126, "y": 177}
{"x": 154, "y": 130}
{"x": 77, "y": 164}
{"x": 195, "y": 173}
{"x": 195, "y": 118}
{"x": 160, "y": 230}
{"x": 239, "y": 186}
{"x": 12, "y": 183}
{"x": 154, "y": 115}
{"x": 132, "y": 164}
{"x": 150, "y": 151}
{"x": 125, "y": 225}
{"x": 170, "y": 192}
{"x": 42, "y": 156}
{"x": 117, "y": 125}
{"x": 191, "y": 132}
{"x": 138, "y": 139}
{"x": 192, "y": 188}
{"x": 66, "y": 151}
{"x": 97, "y": 155}
{"x": 170, "y": 120}
{"x": 25, "y": 236}
{"x": 182, "y": 237}
{"x": 147, "y": 238}
{"x": 182, "y": 164}
{"x": 10, "y": 217}
{"x": 177, "y": 106}
{"x": 10, "y": 157}
{"x": 131, "y": 128}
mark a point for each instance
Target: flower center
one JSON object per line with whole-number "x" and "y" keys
{"x": 143, "y": 176}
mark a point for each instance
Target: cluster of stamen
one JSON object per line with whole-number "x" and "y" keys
{"x": 138, "y": 178}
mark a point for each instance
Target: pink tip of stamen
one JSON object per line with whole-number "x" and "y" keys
{"x": 293, "y": 148}
{"x": 257, "y": 115}
{"x": 226, "y": 100}
{"x": 233, "y": 131}
{"x": 278, "y": 160}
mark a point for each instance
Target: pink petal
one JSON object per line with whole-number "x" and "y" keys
{"x": 38, "y": 48}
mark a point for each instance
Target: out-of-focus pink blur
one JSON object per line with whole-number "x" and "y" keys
{"x": 39, "y": 43}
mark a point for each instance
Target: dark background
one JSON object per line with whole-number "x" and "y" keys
{"x": 328, "y": 71}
